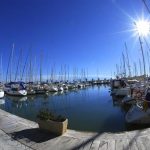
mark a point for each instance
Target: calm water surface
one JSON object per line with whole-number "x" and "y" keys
{"x": 89, "y": 109}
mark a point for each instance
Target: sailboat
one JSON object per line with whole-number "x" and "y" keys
{"x": 30, "y": 88}
{"x": 53, "y": 88}
{"x": 15, "y": 89}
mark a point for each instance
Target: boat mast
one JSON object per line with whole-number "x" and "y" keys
{"x": 140, "y": 66}
{"x": 124, "y": 66}
{"x": 148, "y": 62}
{"x": 146, "y": 6}
{"x": 68, "y": 73}
{"x": 24, "y": 66}
{"x": 9, "y": 63}
{"x": 30, "y": 68}
{"x": 87, "y": 74}
{"x": 117, "y": 69}
{"x": 1, "y": 69}
{"x": 51, "y": 77}
{"x": 147, "y": 53}
{"x": 135, "y": 69}
{"x": 142, "y": 56}
{"x": 41, "y": 68}
{"x": 121, "y": 71}
{"x": 18, "y": 65}
{"x": 35, "y": 69}
{"x": 65, "y": 70}
{"x": 128, "y": 63}
{"x": 20, "y": 70}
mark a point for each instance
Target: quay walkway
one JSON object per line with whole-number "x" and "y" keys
{"x": 17, "y": 133}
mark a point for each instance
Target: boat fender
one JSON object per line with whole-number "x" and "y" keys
{"x": 139, "y": 94}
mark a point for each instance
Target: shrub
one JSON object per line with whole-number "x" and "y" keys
{"x": 47, "y": 115}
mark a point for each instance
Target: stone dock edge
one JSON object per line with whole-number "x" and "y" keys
{"x": 19, "y": 133}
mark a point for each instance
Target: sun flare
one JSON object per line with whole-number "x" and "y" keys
{"x": 142, "y": 27}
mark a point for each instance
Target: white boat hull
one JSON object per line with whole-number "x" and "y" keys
{"x": 17, "y": 93}
{"x": 53, "y": 89}
{"x": 60, "y": 89}
{"x": 1, "y": 93}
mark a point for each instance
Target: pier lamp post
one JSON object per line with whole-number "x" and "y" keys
{"x": 142, "y": 28}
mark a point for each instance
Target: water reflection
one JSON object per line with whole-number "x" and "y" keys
{"x": 55, "y": 93}
{"x": 13, "y": 98}
{"x": 88, "y": 109}
{"x": 2, "y": 101}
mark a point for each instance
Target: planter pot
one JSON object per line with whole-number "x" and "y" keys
{"x": 53, "y": 126}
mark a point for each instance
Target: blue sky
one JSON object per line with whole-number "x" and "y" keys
{"x": 78, "y": 33}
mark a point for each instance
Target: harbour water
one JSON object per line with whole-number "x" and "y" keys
{"x": 87, "y": 109}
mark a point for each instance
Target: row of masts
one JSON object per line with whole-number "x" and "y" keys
{"x": 124, "y": 69}
{"x": 29, "y": 68}
{"x": 140, "y": 67}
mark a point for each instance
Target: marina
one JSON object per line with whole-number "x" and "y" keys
{"x": 75, "y": 75}
{"x": 83, "y": 107}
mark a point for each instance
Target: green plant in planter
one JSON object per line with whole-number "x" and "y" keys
{"x": 53, "y": 123}
{"x": 47, "y": 115}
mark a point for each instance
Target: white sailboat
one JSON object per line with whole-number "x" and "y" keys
{"x": 15, "y": 89}
{"x": 60, "y": 88}
{"x": 39, "y": 89}
{"x": 53, "y": 88}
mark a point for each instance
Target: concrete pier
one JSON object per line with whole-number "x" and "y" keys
{"x": 17, "y": 133}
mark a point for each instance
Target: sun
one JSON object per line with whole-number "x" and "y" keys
{"x": 142, "y": 27}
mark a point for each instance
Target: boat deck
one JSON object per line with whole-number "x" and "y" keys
{"x": 17, "y": 133}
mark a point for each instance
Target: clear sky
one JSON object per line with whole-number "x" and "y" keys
{"x": 79, "y": 33}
